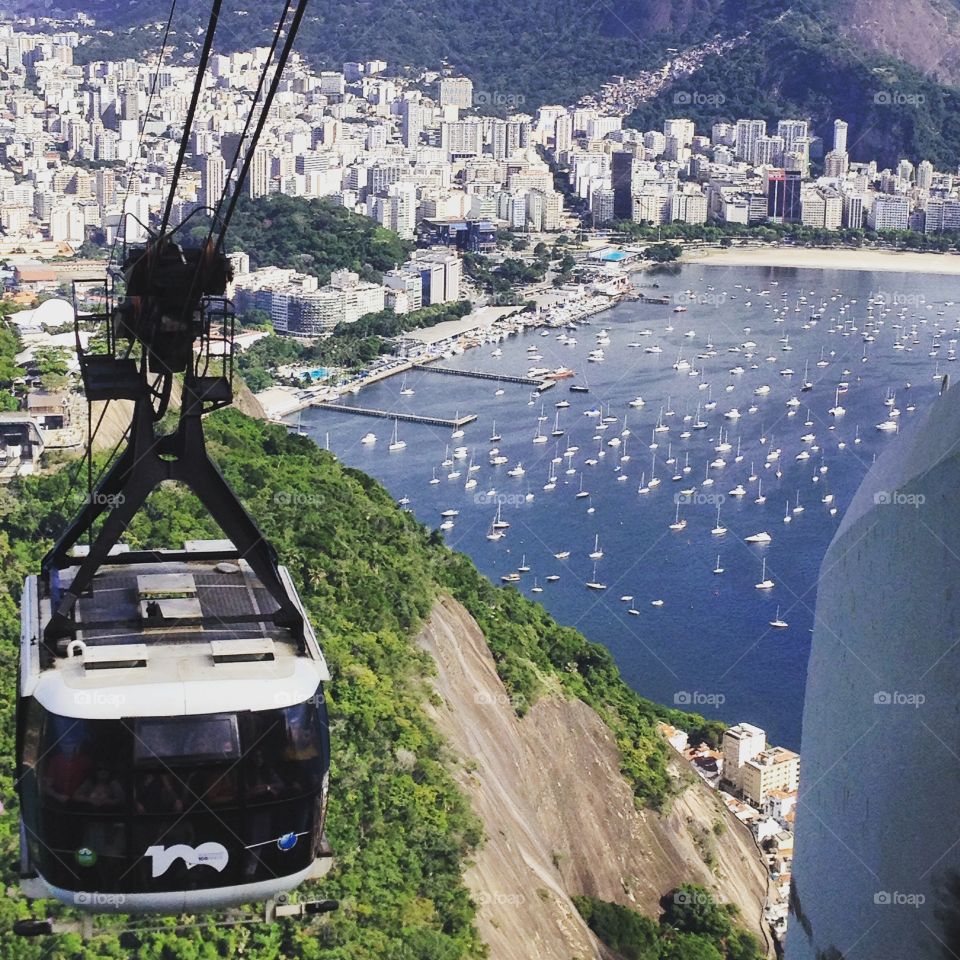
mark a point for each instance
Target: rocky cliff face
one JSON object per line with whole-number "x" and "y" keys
{"x": 924, "y": 33}
{"x": 559, "y": 818}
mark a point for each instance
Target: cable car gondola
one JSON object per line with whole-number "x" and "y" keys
{"x": 172, "y": 736}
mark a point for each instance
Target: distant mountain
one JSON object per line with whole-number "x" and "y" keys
{"x": 882, "y": 65}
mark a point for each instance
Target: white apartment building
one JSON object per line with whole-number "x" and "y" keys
{"x": 456, "y": 92}
{"x": 741, "y": 743}
{"x": 889, "y": 212}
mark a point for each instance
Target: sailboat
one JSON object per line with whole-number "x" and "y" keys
{"x": 434, "y": 479}
{"x": 539, "y": 437}
{"x": 524, "y": 566}
{"x": 765, "y": 582}
{"x": 556, "y": 432}
{"x": 719, "y": 529}
{"x": 777, "y": 622}
{"x": 678, "y": 524}
{"x": 597, "y": 553}
{"x": 594, "y": 583}
{"x": 405, "y": 391}
{"x": 760, "y": 498}
{"x": 786, "y": 516}
{"x": 581, "y": 493}
{"x": 499, "y": 523}
{"x": 494, "y": 436}
{"x": 396, "y": 443}
{"x": 807, "y": 384}
{"x": 718, "y": 568}
{"x": 536, "y": 588}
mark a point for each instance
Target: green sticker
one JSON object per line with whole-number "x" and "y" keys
{"x": 85, "y": 857}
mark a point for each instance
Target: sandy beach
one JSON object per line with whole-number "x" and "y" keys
{"x": 828, "y": 259}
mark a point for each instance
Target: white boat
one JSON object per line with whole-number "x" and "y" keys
{"x": 405, "y": 391}
{"x": 597, "y": 552}
{"x": 581, "y": 493}
{"x": 678, "y": 524}
{"x": 562, "y": 555}
{"x": 396, "y": 443}
{"x": 499, "y": 523}
{"x": 656, "y": 603}
{"x": 369, "y": 438}
{"x": 594, "y": 583}
{"x": 777, "y": 622}
{"x": 761, "y": 537}
{"x": 765, "y": 582}
{"x": 637, "y": 402}
{"x": 760, "y": 498}
{"x": 718, "y": 568}
{"x": 450, "y": 513}
{"x": 516, "y": 471}
{"x": 494, "y": 436}
{"x": 719, "y": 530}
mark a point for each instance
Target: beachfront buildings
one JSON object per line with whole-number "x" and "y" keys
{"x": 752, "y": 769}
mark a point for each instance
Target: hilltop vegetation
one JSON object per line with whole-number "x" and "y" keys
{"x": 312, "y": 236}
{"x": 693, "y": 927}
{"x": 368, "y": 573}
{"x": 521, "y": 55}
{"x": 800, "y": 67}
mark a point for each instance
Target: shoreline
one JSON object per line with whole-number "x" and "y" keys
{"x": 826, "y": 258}
{"x": 462, "y": 335}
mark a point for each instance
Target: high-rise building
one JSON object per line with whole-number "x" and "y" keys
{"x": 563, "y": 134}
{"x": 462, "y": 138}
{"x": 748, "y": 132}
{"x": 622, "y": 182}
{"x": 212, "y": 180}
{"x": 791, "y": 131}
{"x": 682, "y": 129}
{"x": 854, "y": 210}
{"x": 889, "y": 212}
{"x": 740, "y": 743}
{"x": 924, "y": 175}
{"x": 414, "y": 119}
{"x": 456, "y": 92}
{"x": 258, "y": 179}
{"x": 876, "y": 866}
{"x": 783, "y": 196}
{"x": 840, "y": 136}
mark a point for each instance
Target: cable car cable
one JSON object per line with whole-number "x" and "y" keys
{"x": 191, "y": 111}
{"x": 261, "y": 122}
{"x": 146, "y": 119}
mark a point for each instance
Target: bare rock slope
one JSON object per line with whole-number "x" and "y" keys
{"x": 559, "y": 818}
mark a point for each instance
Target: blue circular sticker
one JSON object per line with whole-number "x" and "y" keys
{"x": 288, "y": 841}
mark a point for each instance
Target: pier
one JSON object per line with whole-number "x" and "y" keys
{"x": 455, "y": 423}
{"x": 479, "y": 374}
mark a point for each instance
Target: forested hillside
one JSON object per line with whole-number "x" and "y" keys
{"x": 369, "y": 573}
{"x": 802, "y": 59}
{"x": 312, "y": 236}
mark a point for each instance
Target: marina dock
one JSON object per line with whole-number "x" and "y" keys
{"x": 454, "y": 423}
{"x": 481, "y": 375}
